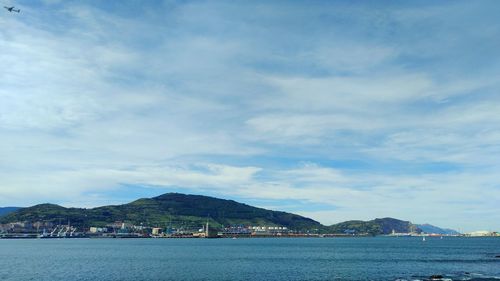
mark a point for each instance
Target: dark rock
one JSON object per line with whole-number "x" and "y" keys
{"x": 436, "y": 277}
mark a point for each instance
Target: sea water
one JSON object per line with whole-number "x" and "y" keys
{"x": 281, "y": 259}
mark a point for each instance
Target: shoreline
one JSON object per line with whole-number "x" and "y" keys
{"x": 32, "y": 237}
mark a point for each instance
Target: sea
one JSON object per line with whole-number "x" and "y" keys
{"x": 280, "y": 259}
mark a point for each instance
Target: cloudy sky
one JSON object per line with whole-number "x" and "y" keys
{"x": 333, "y": 110}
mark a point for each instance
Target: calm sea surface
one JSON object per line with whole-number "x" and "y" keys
{"x": 381, "y": 258}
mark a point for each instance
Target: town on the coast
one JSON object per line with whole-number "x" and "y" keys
{"x": 128, "y": 230}
{"x": 175, "y": 215}
{"x": 45, "y": 230}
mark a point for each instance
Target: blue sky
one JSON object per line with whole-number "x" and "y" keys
{"x": 331, "y": 109}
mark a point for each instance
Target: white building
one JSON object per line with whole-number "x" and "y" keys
{"x": 480, "y": 233}
{"x": 156, "y": 231}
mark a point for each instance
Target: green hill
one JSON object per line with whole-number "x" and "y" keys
{"x": 387, "y": 225}
{"x": 356, "y": 227}
{"x": 374, "y": 227}
{"x": 190, "y": 211}
{"x": 174, "y": 209}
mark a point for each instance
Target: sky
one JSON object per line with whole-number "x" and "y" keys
{"x": 335, "y": 110}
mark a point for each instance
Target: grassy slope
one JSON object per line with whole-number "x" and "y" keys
{"x": 169, "y": 209}
{"x": 180, "y": 210}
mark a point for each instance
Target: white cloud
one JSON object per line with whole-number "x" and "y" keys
{"x": 355, "y": 58}
{"x": 92, "y": 98}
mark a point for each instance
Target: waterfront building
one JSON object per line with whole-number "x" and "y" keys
{"x": 156, "y": 231}
{"x": 98, "y": 229}
{"x": 481, "y": 233}
{"x": 399, "y": 234}
{"x": 269, "y": 230}
{"x": 235, "y": 230}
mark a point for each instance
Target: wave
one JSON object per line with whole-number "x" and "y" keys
{"x": 466, "y": 276}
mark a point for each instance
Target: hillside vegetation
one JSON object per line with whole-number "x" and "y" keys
{"x": 181, "y": 210}
{"x": 172, "y": 209}
{"x": 374, "y": 227}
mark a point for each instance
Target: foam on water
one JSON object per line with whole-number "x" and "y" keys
{"x": 462, "y": 276}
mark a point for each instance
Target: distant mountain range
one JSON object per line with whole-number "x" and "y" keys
{"x": 181, "y": 210}
{"x": 427, "y": 228}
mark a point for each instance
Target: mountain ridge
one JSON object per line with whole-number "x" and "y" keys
{"x": 432, "y": 229}
{"x": 173, "y": 208}
{"x": 186, "y": 210}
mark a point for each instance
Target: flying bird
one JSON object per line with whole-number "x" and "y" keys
{"x": 11, "y": 9}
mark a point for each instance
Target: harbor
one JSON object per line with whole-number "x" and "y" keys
{"x": 44, "y": 230}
